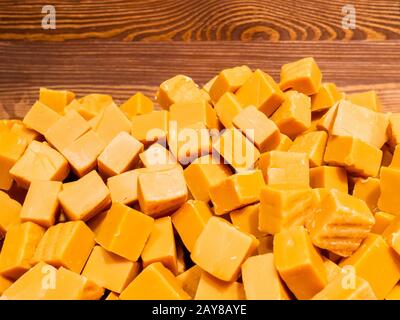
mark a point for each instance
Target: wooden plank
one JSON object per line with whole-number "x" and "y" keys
{"x": 154, "y": 20}
{"x": 121, "y": 69}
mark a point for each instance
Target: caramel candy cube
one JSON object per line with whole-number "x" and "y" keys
{"x": 190, "y": 279}
{"x": 178, "y": 89}
{"x": 298, "y": 263}
{"x": 39, "y": 162}
{"x": 210, "y": 288}
{"x": 193, "y": 213}
{"x": 236, "y": 191}
{"x": 236, "y": 150}
{"x": 283, "y": 208}
{"x": 258, "y": 128}
{"x": 137, "y": 104}
{"x": 382, "y": 221}
{"x": 327, "y": 95}
{"x": 10, "y": 213}
{"x": 261, "y": 279}
{"x": 342, "y": 223}
{"x": 285, "y": 168}
{"x": 302, "y": 75}
{"x": 109, "y": 270}
{"x": 155, "y": 282}
{"x": 160, "y": 192}
{"x": 377, "y": 263}
{"x": 339, "y": 290}
{"x": 66, "y": 245}
{"x": 294, "y": 115}
{"x": 56, "y": 99}
{"x": 123, "y": 187}
{"x": 329, "y": 177}
{"x": 389, "y": 182}
{"x": 84, "y": 198}
{"x": 155, "y": 155}
{"x": 204, "y": 173}
{"x": 221, "y": 249}
{"x": 160, "y": 247}
{"x": 355, "y": 155}
{"x": 367, "y": 99}
{"x": 229, "y": 80}
{"x": 41, "y": 203}
{"x": 187, "y": 114}
{"x": 261, "y": 91}
{"x": 313, "y": 144}
{"x": 124, "y": 231}
{"x": 246, "y": 219}
{"x": 120, "y": 155}
{"x": 150, "y": 127}
{"x": 18, "y": 249}
{"x": 92, "y": 105}
{"x": 66, "y": 130}
{"x": 227, "y": 108}
{"x": 40, "y": 117}
{"x": 368, "y": 190}
{"x": 12, "y": 146}
{"x": 284, "y": 143}
{"x": 361, "y": 123}
{"x": 82, "y": 154}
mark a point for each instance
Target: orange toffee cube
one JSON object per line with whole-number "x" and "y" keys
{"x": 382, "y": 221}
{"x": 150, "y": 127}
{"x": 368, "y": 190}
{"x": 41, "y": 117}
{"x": 56, "y": 99}
{"x": 246, "y": 219}
{"x": 227, "y": 108}
{"x": 210, "y": 288}
{"x": 313, "y": 144}
{"x": 367, "y": 99}
{"x": 10, "y": 213}
{"x": 329, "y": 177}
{"x": 327, "y": 95}
{"x": 123, "y": 187}
{"x": 389, "y": 182}
{"x": 137, "y": 104}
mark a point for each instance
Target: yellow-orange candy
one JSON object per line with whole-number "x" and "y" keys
{"x": 210, "y": 288}
{"x": 10, "y": 213}
{"x": 137, "y": 104}
{"x": 236, "y": 150}
{"x": 257, "y": 128}
{"x": 84, "y": 198}
{"x": 392, "y": 235}
{"x": 338, "y": 289}
{"x": 236, "y": 191}
{"x": 120, "y": 155}
{"x": 360, "y": 123}
{"x": 91, "y": 105}
{"x": 160, "y": 247}
{"x": 294, "y": 115}
{"x": 204, "y": 173}
{"x": 302, "y": 75}
{"x": 283, "y": 208}
{"x": 150, "y": 127}
{"x": 285, "y": 168}
{"x": 189, "y": 280}
{"x": 298, "y": 263}
{"x": 82, "y": 154}
{"x": 66, "y": 245}
{"x": 341, "y": 224}
{"x": 284, "y": 143}
{"x": 327, "y": 120}
{"x": 24, "y": 132}
{"x": 160, "y": 192}
{"x": 394, "y": 294}
{"x": 327, "y": 95}
{"x": 246, "y": 219}
{"x": 229, "y": 80}
{"x": 227, "y": 108}
{"x": 155, "y": 282}
{"x": 394, "y": 129}
{"x": 18, "y": 249}
{"x": 367, "y": 99}
{"x": 123, "y": 187}
{"x": 382, "y": 221}
{"x": 368, "y": 190}
{"x": 221, "y": 249}
{"x": 4, "y": 284}
{"x": 12, "y": 146}
{"x": 261, "y": 280}
{"x": 39, "y": 162}
{"x": 40, "y": 118}
{"x": 110, "y": 271}
{"x": 313, "y": 144}
{"x": 66, "y": 130}
{"x": 186, "y": 114}
{"x": 190, "y": 220}
{"x": 41, "y": 202}
{"x": 56, "y": 99}
{"x": 389, "y": 183}
{"x": 329, "y": 177}
{"x": 124, "y": 231}
{"x": 261, "y": 91}
{"x": 377, "y": 263}
{"x": 178, "y": 89}
{"x": 156, "y": 154}
{"x": 355, "y": 155}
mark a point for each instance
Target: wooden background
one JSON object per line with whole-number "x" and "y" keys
{"x": 121, "y": 46}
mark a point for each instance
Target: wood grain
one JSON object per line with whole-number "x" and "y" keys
{"x": 155, "y": 20}
{"x": 121, "y": 69}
